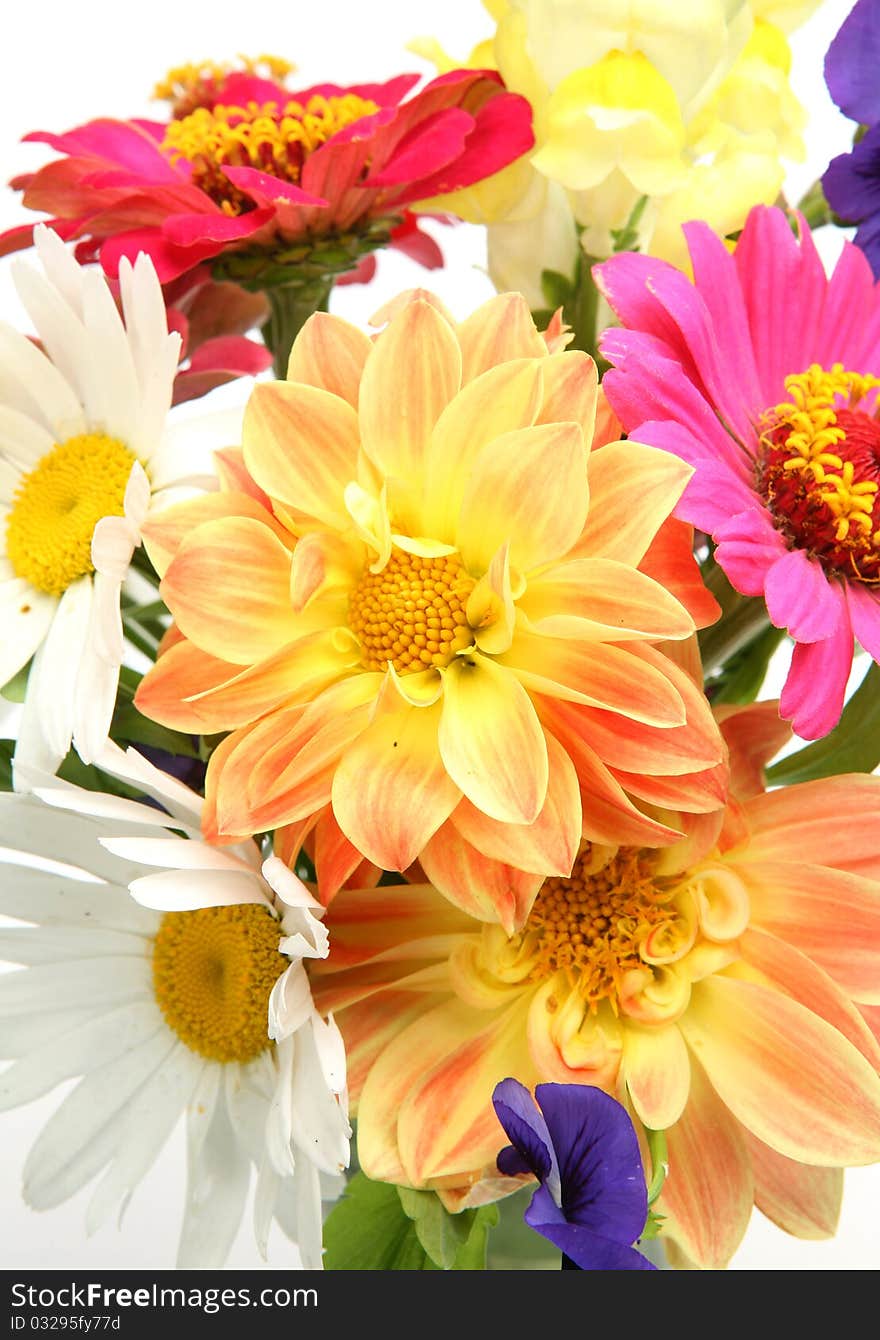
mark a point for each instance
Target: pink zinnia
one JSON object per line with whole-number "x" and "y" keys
{"x": 762, "y": 373}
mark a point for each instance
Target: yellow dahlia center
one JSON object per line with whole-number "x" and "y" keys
{"x": 595, "y": 924}
{"x": 57, "y": 506}
{"x": 819, "y": 469}
{"x": 266, "y": 136}
{"x": 213, "y": 972}
{"x": 412, "y": 613}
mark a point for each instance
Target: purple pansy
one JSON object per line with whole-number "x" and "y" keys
{"x": 581, "y": 1146}
{"x": 852, "y": 180}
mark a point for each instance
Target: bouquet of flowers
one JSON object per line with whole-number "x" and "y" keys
{"x": 398, "y": 794}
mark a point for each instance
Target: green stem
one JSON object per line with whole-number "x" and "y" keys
{"x": 815, "y": 207}
{"x": 659, "y": 1163}
{"x": 290, "y": 306}
{"x": 140, "y": 638}
{"x": 743, "y": 618}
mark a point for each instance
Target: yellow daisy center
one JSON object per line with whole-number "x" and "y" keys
{"x": 273, "y": 139}
{"x": 819, "y": 469}
{"x": 594, "y": 924}
{"x": 57, "y": 506}
{"x": 412, "y": 613}
{"x": 213, "y": 972}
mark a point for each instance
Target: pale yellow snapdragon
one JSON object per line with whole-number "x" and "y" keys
{"x": 685, "y": 107}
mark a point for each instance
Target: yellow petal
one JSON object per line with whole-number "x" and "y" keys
{"x": 633, "y": 489}
{"x": 330, "y": 353}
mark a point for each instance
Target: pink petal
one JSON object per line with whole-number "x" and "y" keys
{"x": 195, "y": 230}
{"x": 501, "y": 132}
{"x": 800, "y": 598}
{"x": 430, "y": 145}
{"x": 864, "y": 612}
{"x": 120, "y": 142}
{"x": 717, "y": 282}
{"x": 748, "y": 546}
{"x": 265, "y": 190}
{"x": 812, "y": 698}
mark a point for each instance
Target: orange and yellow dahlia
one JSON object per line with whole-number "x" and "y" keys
{"x": 717, "y": 988}
{"x": 429, "y": 615}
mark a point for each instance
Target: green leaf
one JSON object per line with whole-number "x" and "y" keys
{"x": 452, "y": 1241}
{"x": 7, "y": 749}
{"x": 742, "y": 677}
{"x": 558, "y": 289}
{"x": 853, "y": 745}
{"x": 368, "y": 1230}
{"x": 14, "y": 690}
{"x": 130, "y": 725}
{"x": 376, "y": 1226}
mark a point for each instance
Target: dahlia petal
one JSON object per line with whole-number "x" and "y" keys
{"x": 800, "y": 1199}
{"x": 229, "y": 587}
{"x": 330, "y": 353}
{"x": 391, "y": 791}
{"x": 570, "y": 391}
{"x": 803, "y": 823}
{"x": 754, "y": 735}
{"x": 600, "y": 599}
{"x": 671, "y": 563}
{"x": 499, "y": 401}
{"x": 814, "y": 691}
{"x": 800, "y": 598}
{"x": 792, "y": 971}
{"x": 615, "y": 527}
{"x": 336, "y": 859}
{"x": 491, "y": 741}
{"x": 486, "y": 889}
{"x": 598, "y": 674}
{"x": 657, "y": 1070}
{"x": 528, "y": 487}
{"x": 410, "y": 376}
{"x": 550, "y": 844}
{"x": 301, "y": 445}
{"x": 830, "y": 915}
{"x": 791, "y": 1078}
{"x": 446, "y": 1118}
{"x": 707, "y": 1195}
{"x": 234, "y": 478}
{"x": 165, "y": 531}
{"x": 500, "y": 331}
{"x": 181, "y": 674}
{"x": 748, "y": 547}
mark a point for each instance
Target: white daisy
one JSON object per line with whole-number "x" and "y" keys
{"x": 85, "y": 455}
{"x": 189, "y": 996}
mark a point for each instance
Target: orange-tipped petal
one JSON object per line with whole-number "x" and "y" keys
{"x": 528, "y": 487}
{"x": 832, "y": 821}
{"x": 501, "y": 330}
{"x": 165, "y": 531}
{"x": 229, "y": 588}
{"x": 754, "y": 735}
{"x": 234, "y": 478}
{"x": 600, "y": 599}
{"x": 832, "y": 916}
{"x": 371, "y": 1027}
{"x": 301, "y": 445}
{"x": 484, "y": 888}
{"x": 491, "y": 741}
{"x": 411, "y": 375}
{"x": 180, "y": 672}
{"x": 391, "y": 791}
{"x": 707, "y": 1196}
{"x": 670, "y": 561}
{"x": 330, "y": 353}
{"x": 800, "y": 1199}
{"x": 570, "y": 391}
{"x": 550, "y": 844}
{"x": 792, "y": 1079}
{"x": 502, "y": 400}
{"x": 608, "y": 426}
{"x": 657, "y": 1070}
{"x": 633, "y": 489}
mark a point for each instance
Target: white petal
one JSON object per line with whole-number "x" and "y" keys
{"x": 265, "y": 1196}
{"x": 30, "y": 382}
{"x": 21, "y": 1034}
{"x": 290, "y": 1003}
{"x": 183, "y": 890}
{"x": 216, "y": 1190}
{"x": 279, "y": 1115}
{"x": 320, "y": 1124}
{"x": 23, "y": 442}
{"x": 71, "y": 838}
{"x": 95, "y": 981}
{"x": 53, "y": 681}
{"x": 49, "y": 899}
{"x": 65, "y": 340}
{"x": 112, "y": 547}
{"x": 109, "y": 349}
{"x": 30, "y": 946}
{"x": 154, "y": 351}
{"x": 331, "y": 1052}
{"x": 289, "y": 886}
{"x": 33, "y": 752}
{"x": 310, "y": 939}
{"x": 104, "y": 806}
{"x": 25, "y": 617}
{"x": 148, "y": 1124}
{"x": 78, "y": 1050}
{"x": 137, "y": 499}
{"x": 61, "y": 268}
{"x": 309, "y": 1226}
{"x": 9, "y": 477}
{"x": 174, "y": 853}
{"x": 85, "y": 1130}
{"x": 180, "y": 801}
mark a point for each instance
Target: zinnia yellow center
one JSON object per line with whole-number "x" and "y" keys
{"x": 819, "y": 469}
{"x": 213, "y": 972}
{"x": 57, "y": 506}
{"x": 594, "y": 924}
{"x": 412, "y": 613}
{"x": 273, "y": 139}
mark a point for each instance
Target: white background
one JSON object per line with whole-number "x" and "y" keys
{"x": 61, "y": 64}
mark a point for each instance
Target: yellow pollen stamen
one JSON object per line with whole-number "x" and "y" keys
{"x": 268, "y": 137}
{"x": 593, "y": 924}
{"x": 412, "y": 613}
{"x": 57, "y": 506}
{"x": 213, "y": 972}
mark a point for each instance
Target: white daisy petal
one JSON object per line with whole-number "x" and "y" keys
{"x": 155, "y": 352}
{"x": 102, "y": 805}
{"x": 318, "y": 1119}
{"x": 95, "y": 981}
{"x": 21, "y": 1034}
{"x": 5, "y": 571}
{"x": 30, "y": 382}
{"x": 130, "y": 766}
{"x": 52, "y": 682}
{"x": 331, "y": 1052}
{"x": 64, "y": 339}
{"x": 108, "y": 345}
{"x": 137, "y": 498}
{"x": 265, "y": 1197}
{"x": 307, "y": 1191}
{"x": 279, "y": 1118}
{"x": 23, "y": 441}
{"x": 216, "y": 1190}
{"x": 61, "y": 268}
{"x": 30, "y": 894}
{"x": 288, "y": 886}
{"x": 174, "y": 853}
{"x": 73, "y": 837}
{"x": 85, "y": 1130}
{"x": 25, "y": 617}
{"x": 9, "y": 480}
{"x": 74, "y": 1051}
{"x": 290, "y": 1003}
{"x": 148, "y": 1124}
{"x": 184, "y": 890}
{"x": 112, "y": 547}
{"x": 33, "y": 752}
{"x": 30, "y": 946}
